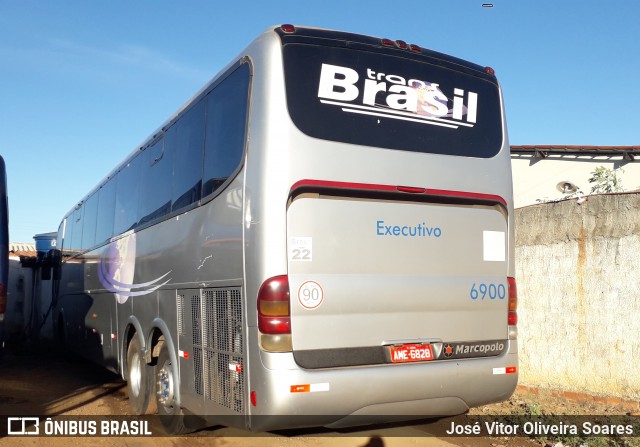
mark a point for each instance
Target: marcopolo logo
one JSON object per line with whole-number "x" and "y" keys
{"x": 405, "y": 99}
{"x": 480, "y": 348}
{"x": 463, "y": 350}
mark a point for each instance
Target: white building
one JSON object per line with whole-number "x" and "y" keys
{"x": 540, "y": 172}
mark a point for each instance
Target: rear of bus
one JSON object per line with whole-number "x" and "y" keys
{"x": 383, "y": 233}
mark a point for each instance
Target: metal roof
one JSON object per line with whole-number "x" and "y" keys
{"x": 22, "y": 249}
{"x": 542, "y": 151}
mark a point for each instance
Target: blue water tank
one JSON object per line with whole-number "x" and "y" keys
{"x": 45, "y": 242}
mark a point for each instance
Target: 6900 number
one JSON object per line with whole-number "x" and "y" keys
{"x": 488, "y": 291}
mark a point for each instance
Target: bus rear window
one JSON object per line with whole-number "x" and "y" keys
{"x": 375, "y": 99}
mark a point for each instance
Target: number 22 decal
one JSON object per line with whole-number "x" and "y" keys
{"x": 301, "y": 254}
{"x": 300, "y": 248}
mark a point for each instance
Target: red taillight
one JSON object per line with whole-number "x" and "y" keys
{"x": 289, "y": 29}
{"x": 273, "y": 306}
{"x": 490, "y": 71}
{"x": 400, "y": 44}
{"x": 3, "y": 298}
{"x": 513, "y": 302}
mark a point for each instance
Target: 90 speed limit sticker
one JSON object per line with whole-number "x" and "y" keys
{"x": 310, "y": 295}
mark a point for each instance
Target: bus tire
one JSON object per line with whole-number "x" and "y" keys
{"x": 171, "y": 415}
{"x": 139, "y": 378}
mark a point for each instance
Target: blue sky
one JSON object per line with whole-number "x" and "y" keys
{"x": 83, "y": 82}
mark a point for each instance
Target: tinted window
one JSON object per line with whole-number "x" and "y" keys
{"x": 187, "y": 158}
{"x": 60, "y": 242}
{"x": 374, "y": 99}
{"x": 106, "y": 207}
{"x": 68, "y": 235}
{"x": 89, "y": 222}
{"x": 155, "y": 189}
{"x": 75, "y": 243}
{"x": 225, "y": 129}
{"x": 127, "y": 190}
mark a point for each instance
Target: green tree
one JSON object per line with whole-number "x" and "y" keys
{"x": 605, "y": 180}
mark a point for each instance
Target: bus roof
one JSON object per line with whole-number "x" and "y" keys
{"x": 393, "y": 47}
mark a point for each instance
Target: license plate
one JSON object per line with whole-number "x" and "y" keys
{"x": 411, "y": 353}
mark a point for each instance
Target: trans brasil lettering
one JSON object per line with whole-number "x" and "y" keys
{"x": 420, "y": 230}
{"x": 338, "y": 86}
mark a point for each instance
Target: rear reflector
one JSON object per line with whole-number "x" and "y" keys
{"x": 507, "y": 370}
{"x": 273, "y": 306}
{"x": 310, "y": 388}
{"x": 513, "y": 302}
{"x": 3, "y": 298}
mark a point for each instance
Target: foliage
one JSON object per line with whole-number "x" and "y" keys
{"x": 605, "y": 180}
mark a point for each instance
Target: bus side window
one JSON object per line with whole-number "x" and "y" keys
{"x": 126, "y": 215}
{"x": 226, "y": 128}
{"x": 77, "y": 229}
{"x": 89, "y": 222}
{"x": 155, "y": 187}
{"x": 187, "y": 157}
{"x": 106, "y": 207}
{"x": 65, "y": 232}
{"x": 60, "y": 241}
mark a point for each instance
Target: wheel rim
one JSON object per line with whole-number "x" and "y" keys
{"x": 135, "y": 374}
{"x": 165, "y": 386}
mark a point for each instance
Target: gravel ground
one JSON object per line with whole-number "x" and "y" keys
{"x": 40, "y": 382}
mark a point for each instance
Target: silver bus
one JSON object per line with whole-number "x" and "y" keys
{"x": 322, "y": 236}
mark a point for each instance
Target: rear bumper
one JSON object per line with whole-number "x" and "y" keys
{"x": 288, "y": 396}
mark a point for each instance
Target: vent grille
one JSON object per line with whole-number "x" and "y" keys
{"x": 180, "y": 307}
{"x": 219, "y": 347}
{"x": 223, "y": 321}
{"x": 196, "y": 313}
{"x": 196, "y": 320}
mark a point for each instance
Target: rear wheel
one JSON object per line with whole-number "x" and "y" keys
{"x": 139, "y": 379}
{"x": 171, "y": 414}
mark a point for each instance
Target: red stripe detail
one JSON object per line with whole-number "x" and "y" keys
{"x": 467, "y": 195}
{"x": 342, "y": 185}
{"x": 410, "y": 189}
{"x": 390, "y": 188}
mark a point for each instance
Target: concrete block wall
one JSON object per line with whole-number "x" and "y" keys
{"x": 578, "y": 276}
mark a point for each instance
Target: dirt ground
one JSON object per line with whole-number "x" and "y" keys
{"x": 39, "y": 382}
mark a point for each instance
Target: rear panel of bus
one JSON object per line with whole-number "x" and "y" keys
{"x": 385, "y": 206}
